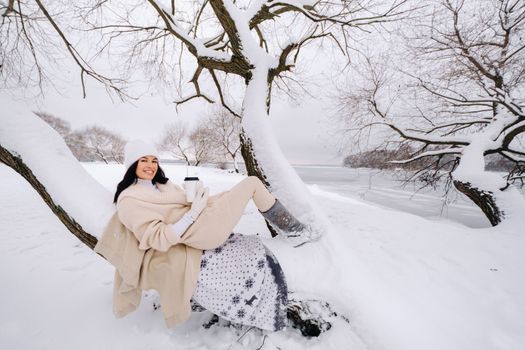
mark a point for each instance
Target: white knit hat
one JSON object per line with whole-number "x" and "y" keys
{"x": 137, "y": 148}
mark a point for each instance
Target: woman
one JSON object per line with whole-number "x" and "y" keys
{"x": 158, "y": 240}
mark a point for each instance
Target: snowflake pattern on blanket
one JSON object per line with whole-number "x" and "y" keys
{"x": 242, "y": 281}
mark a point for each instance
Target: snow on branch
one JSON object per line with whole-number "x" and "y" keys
{"x": 232, "y": 20}
{"x": 515, "y": 151}
{"x": 343, "y": 13}
{"x": 429, "y": 154}
{"x": 429, "y": 139}
{"x": 211, "y": 54}
{"x": 459, "y": 100}
{"x": 195, "y": 45}
{"x": 514, "y": 155}
{"x": 508, "y": 102}
{"x": 514, "y": 178}
{"x": 511, "y": 130}
{"x": 483, "y": 121}
{"x": 261, "y": 10}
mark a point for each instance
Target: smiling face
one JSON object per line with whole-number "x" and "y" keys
{"x": 147, "y": 167}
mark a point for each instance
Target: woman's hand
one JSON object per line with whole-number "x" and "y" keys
{"x": 200, "y": 201}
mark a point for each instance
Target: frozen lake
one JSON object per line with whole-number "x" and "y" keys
{"x": 382, "y": 188}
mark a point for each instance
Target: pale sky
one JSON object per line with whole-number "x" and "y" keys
{"x": 302, "y": 131}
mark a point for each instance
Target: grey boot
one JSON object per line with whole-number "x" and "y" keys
{"x": 283, "y": 221}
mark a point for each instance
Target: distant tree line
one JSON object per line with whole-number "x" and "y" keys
{"x": 89, "y": 144}
{"x": 216, "y": 140}
{"x": 426, "y": 171}
{"x": 384, "y": 159}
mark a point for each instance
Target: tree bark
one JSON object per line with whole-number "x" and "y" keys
{"x": 484, "y": 200}
{"x": 250, "y": 160}
{"x": 253, "y": 168}
{"x": 18, "y": 165}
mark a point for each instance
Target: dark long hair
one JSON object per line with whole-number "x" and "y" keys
{"x": 130, "y": 177}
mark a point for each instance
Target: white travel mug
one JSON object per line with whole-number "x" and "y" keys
{"x": 190, "y": 184}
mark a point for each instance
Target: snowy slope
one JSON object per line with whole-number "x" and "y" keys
{"x": 402, "y": 281}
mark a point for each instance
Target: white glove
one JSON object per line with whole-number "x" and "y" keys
{"x": 199, "y": 202}
{"x": 183, "y": 224}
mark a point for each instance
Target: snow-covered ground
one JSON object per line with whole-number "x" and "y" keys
{"x": 403, "y": 281}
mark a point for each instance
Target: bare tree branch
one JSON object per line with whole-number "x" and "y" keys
{"x": 85, "y": 68}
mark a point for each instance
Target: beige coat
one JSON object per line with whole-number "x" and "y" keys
{"x": 147, "y": 254}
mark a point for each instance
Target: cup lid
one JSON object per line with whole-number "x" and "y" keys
{"x": 191, "y": 178}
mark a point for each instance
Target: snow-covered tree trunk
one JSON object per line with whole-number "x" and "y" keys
{"x": 10, "y": 159}
{"x": 490, "y": 191}
{"x": 485, "y": 200}
{"x": 255, "y": 107}
{"x": 39, "y": 154}
{"x": 262, "y": 154}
